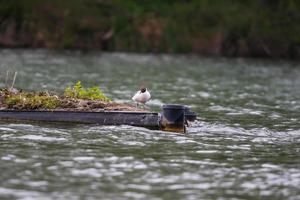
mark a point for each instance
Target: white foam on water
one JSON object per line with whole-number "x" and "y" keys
{"x": 207, "y": 151}
{"x": 22, "y": 194}
{"x": 40, "y": 138}
{"x": 133, "y": 143}
{"x": 84, "y": 159}
{"x": 7, "y": 130}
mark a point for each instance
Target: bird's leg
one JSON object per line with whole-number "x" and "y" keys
{"x": 137, "y": 104}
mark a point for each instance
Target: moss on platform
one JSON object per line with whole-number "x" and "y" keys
{"x": 78, "y": 91}
{"x": 75, "y": 98}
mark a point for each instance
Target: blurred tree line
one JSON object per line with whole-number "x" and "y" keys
{"x": 219, "y": 27}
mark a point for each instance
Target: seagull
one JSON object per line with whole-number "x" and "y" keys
{"x": 141, "y": 96}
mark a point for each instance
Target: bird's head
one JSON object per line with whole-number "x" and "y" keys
{"x": 143, "y": 89}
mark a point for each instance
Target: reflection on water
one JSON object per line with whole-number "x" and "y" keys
{"x": 245, "y": 144}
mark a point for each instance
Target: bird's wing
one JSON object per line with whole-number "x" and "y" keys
{"x": 149, "y": 95}
{"x": 136, "y": 95}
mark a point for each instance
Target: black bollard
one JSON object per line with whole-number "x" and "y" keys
{"x": 173, "y": 118}
{"x": 190, "y": 115}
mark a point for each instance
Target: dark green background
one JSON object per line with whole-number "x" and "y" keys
{"x": 219, "y": 27}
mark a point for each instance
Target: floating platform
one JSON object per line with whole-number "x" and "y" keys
{"x": 173, "y": 117}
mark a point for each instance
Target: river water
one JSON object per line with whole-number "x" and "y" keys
{"x": 244, "y": 145}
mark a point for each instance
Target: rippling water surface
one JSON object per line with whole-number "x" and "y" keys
{"x": 245, "y": 144}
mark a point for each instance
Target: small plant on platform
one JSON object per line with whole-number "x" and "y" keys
{"x": 31, "y": 101}
{"x": 79, "y": 92}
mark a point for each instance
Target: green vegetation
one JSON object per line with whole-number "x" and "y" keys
{"x": 31, "y": 101}
{"x": 75, "y": 97}
{"x": 221, "y": 27}
{"x": 77, "y": 91}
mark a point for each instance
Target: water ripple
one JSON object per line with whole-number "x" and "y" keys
{"x": 245, "y": 144}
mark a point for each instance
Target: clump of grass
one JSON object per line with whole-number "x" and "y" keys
{"x": 43, "y": 100}
{"x": 79, "y": 92}
{"x": 31, "y": 101}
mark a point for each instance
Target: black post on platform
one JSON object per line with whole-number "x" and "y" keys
{"x": 173, "y": 118}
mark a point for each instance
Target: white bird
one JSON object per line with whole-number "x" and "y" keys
{"x": 141, "y": 96}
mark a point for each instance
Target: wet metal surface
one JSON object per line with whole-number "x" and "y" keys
{"x": 143, "y": 119}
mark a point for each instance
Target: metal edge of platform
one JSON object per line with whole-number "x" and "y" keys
{"x": 173, "y": 118}
{"x": 134, "y": 118}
